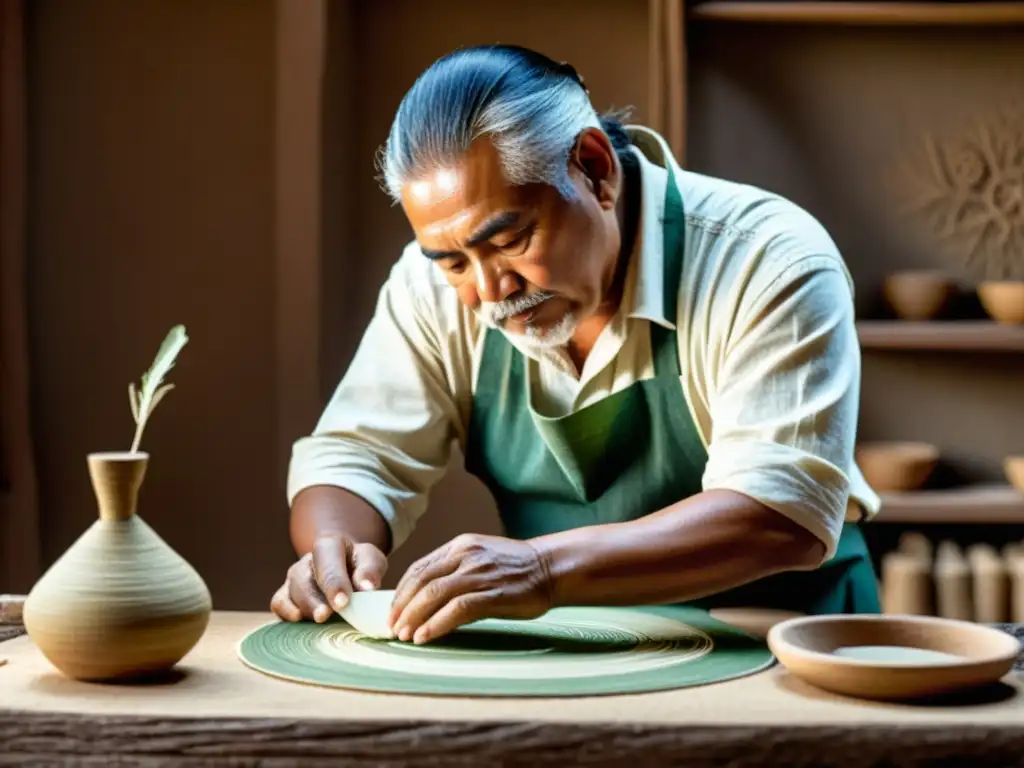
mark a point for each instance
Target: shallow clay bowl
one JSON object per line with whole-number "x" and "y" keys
{"x": 896, "y": 466}
{"x": 917, "y": 295}
{"x": 1003, "y": 300}
{"x": 892, "y": 657}
{"x": 1013, "y": 467}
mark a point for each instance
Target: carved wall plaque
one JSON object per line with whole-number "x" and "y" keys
{"x": 965, "y": 189}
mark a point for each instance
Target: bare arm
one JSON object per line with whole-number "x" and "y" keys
{"x": 322, "y": 510}
{"x": 709, "y": 543}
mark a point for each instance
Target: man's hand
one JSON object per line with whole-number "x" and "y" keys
{"x": 324, "y": 578}
{"x": 470, "y": 578}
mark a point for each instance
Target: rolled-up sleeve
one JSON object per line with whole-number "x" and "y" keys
{"x": 386, "y": 433}
{"x": 786, "y": 400}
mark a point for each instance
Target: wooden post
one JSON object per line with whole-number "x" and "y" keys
{"x": 666, "y": 42}
{"x": 300, "y": 50}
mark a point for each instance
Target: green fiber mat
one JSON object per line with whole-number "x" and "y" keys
{"x": 567, "y": 652}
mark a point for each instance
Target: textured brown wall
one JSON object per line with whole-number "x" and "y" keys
{"x": 150, "y": 204}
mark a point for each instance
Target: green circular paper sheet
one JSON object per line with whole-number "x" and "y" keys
{"x": 567, "y": 652}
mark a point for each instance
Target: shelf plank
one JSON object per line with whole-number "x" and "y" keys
{"x": 864, "y": 13}
{"x": 952, "y": 335}
{"x": 972, "y": 504}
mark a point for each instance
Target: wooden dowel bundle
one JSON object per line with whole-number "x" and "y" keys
{"x": 954, "y": 596}
{"x": 990, "y": 582}
{"x": 907, "y": 583}
{"x": 979, "y": 583}
{"x": 1013, "y": 556}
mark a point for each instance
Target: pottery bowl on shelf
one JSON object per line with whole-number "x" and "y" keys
{"x": 892, "y": 657}
{"x": 896, "y": 466}
{"x": 1003, "y": 300}
{"x": 1013, "y": 467}
{"x": 917, "y": 294}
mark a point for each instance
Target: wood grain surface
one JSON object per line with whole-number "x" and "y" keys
{"x": 8, "y": 633}
{"x": 54, "y": 739}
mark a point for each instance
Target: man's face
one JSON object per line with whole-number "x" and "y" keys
{"x": 524, "y": 258}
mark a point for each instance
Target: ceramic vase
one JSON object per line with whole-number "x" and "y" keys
{"x": 120, "y": 603}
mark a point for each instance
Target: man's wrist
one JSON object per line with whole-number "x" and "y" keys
{"x": 559, "y": 556}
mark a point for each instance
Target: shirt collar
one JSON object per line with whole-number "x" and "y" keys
{"x": 643, "y": 293}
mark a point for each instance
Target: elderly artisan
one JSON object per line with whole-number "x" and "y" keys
{"x": 655, "y": 372}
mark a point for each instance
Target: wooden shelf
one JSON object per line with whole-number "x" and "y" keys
{"x": 865, "y": 13}
{"x": 951, "y": 335}
{"x": 973, "y": 504}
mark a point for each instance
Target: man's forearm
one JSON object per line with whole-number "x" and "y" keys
{"x": 709, "y": 543}
{"x": 324, "y": 509}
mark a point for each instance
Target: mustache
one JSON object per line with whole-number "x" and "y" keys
{"x": 514, "y": 305}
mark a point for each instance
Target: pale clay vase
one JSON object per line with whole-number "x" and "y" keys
{"x": 119, "y": 603}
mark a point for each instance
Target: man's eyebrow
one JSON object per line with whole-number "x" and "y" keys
{"x": 497, "y": 223}
{"x": 435, "y": 255}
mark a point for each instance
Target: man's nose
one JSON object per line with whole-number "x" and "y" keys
{"x": 495, "y": 283}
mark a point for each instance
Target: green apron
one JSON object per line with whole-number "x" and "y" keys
{"x": 628, "y": 455}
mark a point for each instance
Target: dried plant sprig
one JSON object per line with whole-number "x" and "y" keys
{"x": 151, "y": 391}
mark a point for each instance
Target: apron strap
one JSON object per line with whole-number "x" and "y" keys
{"x": 664, "y": 346}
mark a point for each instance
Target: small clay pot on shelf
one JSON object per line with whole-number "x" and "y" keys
{"x": 897, "y": 466}
{"x": 1003, "y": 300}
{"x": 1013, "y": 468}
{"x": 918, "y": 294}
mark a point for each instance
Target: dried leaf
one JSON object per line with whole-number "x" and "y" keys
{"x": 150, "y": 392}
{"x": 133, "y": 400}
{"x": 159, "y": 394}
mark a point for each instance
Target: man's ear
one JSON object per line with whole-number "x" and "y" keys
{"x": 594, "y": 157}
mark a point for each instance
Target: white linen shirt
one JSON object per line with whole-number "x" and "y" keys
{"x": 767, "y": 345}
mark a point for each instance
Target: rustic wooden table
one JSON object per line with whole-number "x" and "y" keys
{"x": 219, "y": 712}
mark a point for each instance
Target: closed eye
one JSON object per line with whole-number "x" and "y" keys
{"x": 519, "y": 243}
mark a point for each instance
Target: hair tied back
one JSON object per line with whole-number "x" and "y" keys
{"x": 568, "y": 69}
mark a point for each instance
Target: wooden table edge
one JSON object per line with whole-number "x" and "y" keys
{"x": 55, "y": 738}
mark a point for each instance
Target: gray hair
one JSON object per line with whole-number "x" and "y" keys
{"x": 530, "y": 107}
